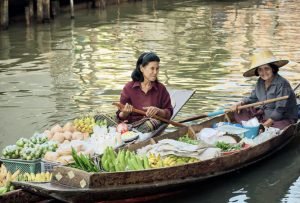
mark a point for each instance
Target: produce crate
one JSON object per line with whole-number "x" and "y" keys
{"x": 48, "y": 165}
{"x": 24, "y": 166}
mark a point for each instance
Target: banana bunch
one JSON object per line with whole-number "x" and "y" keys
{"x": 156, "y": 161}
{"x": 179, "y": 160}
{"x": 5, "y": 179}
{"x": 124, "y": 160}
{"x": 39, "y": 177}
{"x": 85, "y": 124}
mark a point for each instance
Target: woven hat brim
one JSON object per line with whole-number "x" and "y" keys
{"x": 278, "y": 63}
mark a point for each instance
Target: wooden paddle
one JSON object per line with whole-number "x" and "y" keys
{"x": 191, "y": 132}
{"x": 215, "y": 113}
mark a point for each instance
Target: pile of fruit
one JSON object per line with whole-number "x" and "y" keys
{"x": 156, "y": 161}
{"x": 29, "y": 149}
{"x": 65, "y": 134}
{"x": 124, "y": 160}
{"x": 85, "y": 124}
{"x": 6, "y": 178}
{"x": 38, "y": 177}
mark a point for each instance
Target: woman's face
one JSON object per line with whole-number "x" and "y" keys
{"x": 265, "y": 72}
{"x": 150, "y": 71}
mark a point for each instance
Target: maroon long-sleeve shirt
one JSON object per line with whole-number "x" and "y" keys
{"x": 157, "y": 96}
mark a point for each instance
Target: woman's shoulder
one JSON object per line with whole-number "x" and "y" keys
{"x": 160, "y": 85}
{"x": 129, "y": 84}
{"x": 281, "y": 80}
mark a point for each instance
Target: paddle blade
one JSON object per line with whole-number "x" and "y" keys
{"x": 216, "y": 113}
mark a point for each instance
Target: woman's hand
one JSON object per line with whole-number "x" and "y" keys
{"x": 151, "y": 111}
{"x": 268, "y": 123}
{"x": 126, "y": 110}
{"x": 235, "y": 107}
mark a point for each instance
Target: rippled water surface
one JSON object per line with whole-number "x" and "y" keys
{"x": 54, "y": 72}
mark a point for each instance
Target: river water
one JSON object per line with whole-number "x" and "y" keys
{"x": 55, "y": 72}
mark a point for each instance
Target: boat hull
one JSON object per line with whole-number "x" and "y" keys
{"x": 109, "y": 186}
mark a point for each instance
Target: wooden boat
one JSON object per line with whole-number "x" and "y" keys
{"x": 19, "y": 196}
{"x": 67, "y": 183}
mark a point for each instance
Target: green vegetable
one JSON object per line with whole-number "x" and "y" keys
{"x": 3, "y": 190}
{"x": 84, "y": 162}
{"x": 228, "y": 147}
{"x": 188, "y": 140}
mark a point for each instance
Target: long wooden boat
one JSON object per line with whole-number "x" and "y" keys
{"x": 66, "y": 184}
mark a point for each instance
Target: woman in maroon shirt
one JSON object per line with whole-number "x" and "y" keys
{"x": 146, "y": 93}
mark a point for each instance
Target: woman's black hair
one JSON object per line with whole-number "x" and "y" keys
{"x": 143, "y": 60}
{"x": 274, "y": 67}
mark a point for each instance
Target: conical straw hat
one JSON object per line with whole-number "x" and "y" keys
{"x": 263, "y": 57}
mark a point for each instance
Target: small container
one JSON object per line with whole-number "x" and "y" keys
{"x": 48, "y": 165}
{"x": 252, "y": 132}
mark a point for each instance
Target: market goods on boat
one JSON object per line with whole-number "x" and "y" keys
{"x": 38, "y": 177}
{"x": 132, "y": 183}
{"x": 55, "y": 145}
{"x": 6, "y": 178}
{"x": 29, "y": 149}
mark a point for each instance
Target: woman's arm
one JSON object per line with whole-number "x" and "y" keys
{"x": 125, "y": 100}
{"x": 247, "y": 100}
{"x": 163, "y": 108}
{"x": 252, "y": 98}
{"x": 280, "y": 106}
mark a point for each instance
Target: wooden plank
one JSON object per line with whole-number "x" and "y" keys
{"x": 3, "y": 14}
{"x": 55, "y": 8}
{"x": 72, "y": 9}
{"x": 46, "y": 11}
{"x": 39, "y": 11}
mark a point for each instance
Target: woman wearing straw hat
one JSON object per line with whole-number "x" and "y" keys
{"x": 269, "y": 85}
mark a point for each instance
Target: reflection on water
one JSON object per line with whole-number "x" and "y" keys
{"x": 240, "y": 196}
{"x": 54, "y": 72}
{"x": 293, "y": 195}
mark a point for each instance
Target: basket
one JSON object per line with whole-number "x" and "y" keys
{"x": 48, "y": 166}
{"x": 24, "y": 166}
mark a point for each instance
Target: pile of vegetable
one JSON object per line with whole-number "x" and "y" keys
{"x": 124, "y": 160}
{"x": 29, "y": 149}
{"x": 84, "y": 162}
{"x": 228, "y": 147}
{"x": 188, "y": 140}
